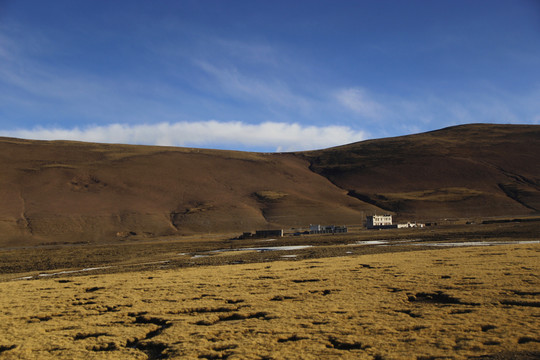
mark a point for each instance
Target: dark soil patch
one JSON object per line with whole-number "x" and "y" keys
{"x": 81, "y": 336}
{"x": 234, "y": 301}
{"x": 108, "y": 347}
{"x": 203, "y": 310}
{"x": 281, "y": 298}
{"x": 6, "y": 348}
{"x": 154, "y": 350}
{"x": 488, "y": 327}
{"x": 410, "y": 313}
{"x": 292, "y": 338}
{"x": 343, "y": 345}
{"x": 95, "y": 288}
{"x": 527, "y": 339}
{"x": 521, "y": 303}
{"x": 437, "y": 297}
{"x": 237, "y": 316}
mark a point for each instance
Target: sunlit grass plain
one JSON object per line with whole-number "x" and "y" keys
{"x": 453, "y": 303}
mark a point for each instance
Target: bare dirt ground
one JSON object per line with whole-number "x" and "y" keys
{"x": 358, "y": 296}
{"x": 202, "y": 250}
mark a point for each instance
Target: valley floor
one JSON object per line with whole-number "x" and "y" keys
{"x": 454, "y": 303}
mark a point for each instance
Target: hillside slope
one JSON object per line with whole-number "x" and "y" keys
{"x": 60, "y": 191}
{"x": 69, "y": 192}
{"x": 469, "y": 170}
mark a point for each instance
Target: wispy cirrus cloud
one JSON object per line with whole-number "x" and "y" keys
{"x": 250, "y": 52}
{"x": 360, "y": 102}
{"x": 268, "y": 136}
{"x": 262, "y": 89}
{"x": 393, "y": 114}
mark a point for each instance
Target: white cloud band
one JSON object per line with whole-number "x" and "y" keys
{"x": 266, "y": 136}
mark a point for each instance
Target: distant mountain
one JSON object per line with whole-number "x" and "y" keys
{"x": 63, "y": 191}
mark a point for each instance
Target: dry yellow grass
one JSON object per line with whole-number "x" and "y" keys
{"x": 453, "y": 303}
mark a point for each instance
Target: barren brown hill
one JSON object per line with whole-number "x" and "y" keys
{"x": 473, "y": 170}
{"x": 60, "y": 191}
{"x": 69, "y": 192}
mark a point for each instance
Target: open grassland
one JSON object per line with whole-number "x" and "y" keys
{"x": 455, "y": 303}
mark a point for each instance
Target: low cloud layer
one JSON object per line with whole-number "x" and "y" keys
{"x": 268, "y": 136}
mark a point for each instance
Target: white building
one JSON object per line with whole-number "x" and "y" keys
{"x": 378, "y": 220}
{"x": 410, "y": 225}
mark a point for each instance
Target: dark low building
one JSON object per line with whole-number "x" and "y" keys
{"x": 331, "y": 229}
{"x": 262, "y": 234}
{"x": 268, "y": 233}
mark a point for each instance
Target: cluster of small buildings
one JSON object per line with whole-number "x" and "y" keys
{"x": 385, "y": 222}
{"x": 313, "y": 229}
{"x": 372, "y": 222}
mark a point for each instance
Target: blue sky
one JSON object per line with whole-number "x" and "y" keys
{"x": 264, "y": 75}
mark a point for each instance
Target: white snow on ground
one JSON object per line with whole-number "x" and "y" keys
{"x": 268, "y": 248}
